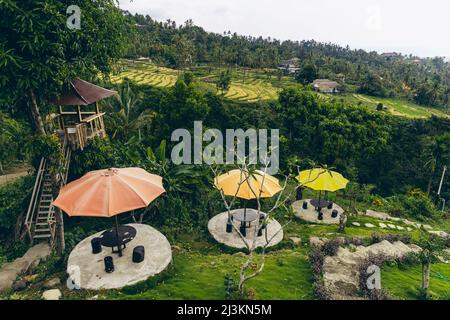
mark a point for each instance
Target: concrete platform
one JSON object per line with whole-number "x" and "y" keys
{"x": 87, "y": 271}
{"x": 217, "y": 227}
{"x": 311, "y": 213}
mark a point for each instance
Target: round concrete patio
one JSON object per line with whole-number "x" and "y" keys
{"x": 217, "y": 228}
{"x": 87, "y": 270}
{"x": 311, "y": 214}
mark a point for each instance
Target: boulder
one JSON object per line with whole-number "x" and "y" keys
{"x": 316, "y": 241}
{"x": 297, "y": 241}
{"x": 10, "y": 271}
{"x": 356, "y": 224}
{"x": 392, "y": 226}
{"x": 382, "y": 225}
{"x": 19, "y": 285}
{"x": 51, "y": 283}
{"x": 378, "y": 215}
{"x": 53, "y": 294}
{"x": 369, "y": 225}
{"x": 400, "y": 228}
{"x": 428, "y": 227}
{"x": 441, "y": 234}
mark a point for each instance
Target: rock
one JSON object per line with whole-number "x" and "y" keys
{"x": 53, "y": 294}
{"x": 51, "y": 283}
{"x": 297, "y": 241}
{"x": 382, "y": 225}
{"x": 341, "y": 274}
{"x": 19, "y": 285}
{"x": 369, "y": 225}
{"x": 10, "y": 271}
{"x": 409, "y": 229}
{"x": 356, "y": 224}
{"x": 316, "y": 241}
{"x": 441, "y": 234}
{"x": 378, "y": 215}
{"x": 428, "y": 227}
{"x": 30, "y": 278}
{"x": 409, "y": 223}
{"x": 392, "y": 226}
{"x": 400, "y": 228}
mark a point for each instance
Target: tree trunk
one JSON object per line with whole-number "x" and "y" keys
{"x": 38, "y": 123}
{"x": 60, "y": 241}
{"x": 427, "y": 277}
{"x": 423, "y": 275}
{"x": 429, "y": 185}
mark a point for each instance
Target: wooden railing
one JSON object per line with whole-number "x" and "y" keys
{"x": 35, "y": 197}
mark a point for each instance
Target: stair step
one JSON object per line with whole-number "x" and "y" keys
{"x": 41, "y": 224}
{"x": 42, "y": 236}
{"x": 42, "y": 230}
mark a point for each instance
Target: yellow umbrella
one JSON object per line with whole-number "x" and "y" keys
{"x": 322, "y": 180}
{"x": 263, "y": 185}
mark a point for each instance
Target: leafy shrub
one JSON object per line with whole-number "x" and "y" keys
{"x": 316, "y": 259}
{"x": 331, "y": 247}
{"x": 231, "y": 288}
{"x": 414, "y": 204}
{"x": 44, "y": 146}
{"x": 372, "y": 294}
{"x": 376, "y": 238}
{"x": 13, "y": 202}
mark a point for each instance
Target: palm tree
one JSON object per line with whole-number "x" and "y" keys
{"x": 433, "y": 247}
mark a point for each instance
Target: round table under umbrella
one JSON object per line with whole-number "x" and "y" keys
{"x": 321, "y": 179}
{"x": 110, "y": 192}
{"x": 247, "y": 185}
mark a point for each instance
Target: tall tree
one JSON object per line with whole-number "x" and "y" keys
{"x": 39, "y": 53}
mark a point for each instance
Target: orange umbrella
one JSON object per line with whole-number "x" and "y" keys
{"x": 106, "y": 193}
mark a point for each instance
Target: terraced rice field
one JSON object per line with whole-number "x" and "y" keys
{"x": 148, "y": 74}
{"x": 398, "y": 107}
{"x": 251, "y": 90}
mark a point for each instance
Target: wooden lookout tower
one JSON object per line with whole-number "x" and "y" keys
{"x": 78, "y": 121}
{"x": 79, "y": 118}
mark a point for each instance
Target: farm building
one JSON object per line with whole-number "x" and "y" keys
{"x": 326, "y": 86}
{"x": 289, "y": 66}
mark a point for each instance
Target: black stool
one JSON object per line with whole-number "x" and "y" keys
{"x": 138, "y": 254}
{"x": 320, "y": 217}
{"x": 96, "y": 245}
{"x": 109, "y": 264}
{"x": 243, "y": 229}
{"x": 330, "y": 205}
{"x": 229, "y": 227}
{"x": 334, "y": 214}
{"x": 305, "y": 205}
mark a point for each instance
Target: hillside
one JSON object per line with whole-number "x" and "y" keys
{"x": 252, "y": 85}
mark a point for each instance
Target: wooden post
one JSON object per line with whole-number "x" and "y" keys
{"x": 79, "y": 114}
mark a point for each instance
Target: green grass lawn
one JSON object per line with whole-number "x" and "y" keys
{"x": 195, "y": 275}
{"x": 404, "y": 283}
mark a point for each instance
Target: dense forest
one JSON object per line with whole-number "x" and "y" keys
{"x": 425, "y": 81}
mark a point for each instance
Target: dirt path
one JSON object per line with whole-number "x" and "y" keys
{"x": 14, "y": 173}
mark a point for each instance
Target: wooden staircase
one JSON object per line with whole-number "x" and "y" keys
{"x": 40, "y": 219}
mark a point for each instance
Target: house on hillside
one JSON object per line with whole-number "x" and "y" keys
{"x": 326, "y": 86}
{"x": 390, "y": 55}
{"x": 289, "y": 66}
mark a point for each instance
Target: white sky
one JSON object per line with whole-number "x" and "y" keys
{"x": 408, "y": 26}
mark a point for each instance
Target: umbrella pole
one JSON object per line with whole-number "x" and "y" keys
{"x": 117, "y": 237}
